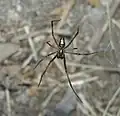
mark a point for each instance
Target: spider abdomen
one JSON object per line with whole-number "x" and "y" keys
{"x": 60, "y": 54}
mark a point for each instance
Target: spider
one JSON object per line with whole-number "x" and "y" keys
{"x": 60, "y": 54}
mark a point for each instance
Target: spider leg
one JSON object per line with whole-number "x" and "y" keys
{"x": 50, "y": 45}
{"x": 75, "y": 53}
{"x": 39, "y": 61}
{"x": 72, "y": 49}
{"x": 75, "y": 48}
{"x": 65, "y": 67}
{"x": 53, "y": 31}
{"x": 46, "y": 69}
{"x": 72, "y": 38}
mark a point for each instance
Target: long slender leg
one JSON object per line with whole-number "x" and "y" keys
{"x": 72, "y": 38}
{"x": 51, "y": 45}
{"x": 65, "y": 66}
{"x": 75, "y": 53}
{"x": 53, "y": 31}
{"x": 43, "y": 59}
{"x": 71, "y": 49}
{"x": 46, "y": 69}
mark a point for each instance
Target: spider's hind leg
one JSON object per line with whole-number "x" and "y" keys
{"x": 65, "y": 67}
{"x": 46, "y": 69}
{"x": 39, "y": 61}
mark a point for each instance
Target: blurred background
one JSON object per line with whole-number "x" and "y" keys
{"x": 25, "y": 27}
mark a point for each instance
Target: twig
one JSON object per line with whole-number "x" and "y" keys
{"x": 84, "y": 110}
{"x": 111, "y": 101}
{"x": 98, "y": 36}
{"x": 64, "y": 32}
{"x": 116, "y": 23}
{"x": 78, "y": 74}
{"x": 28, "y": 60}
{"x": 74, "y": 83}
{"x": 118, "y": 114}
{"x": 94, "y": 67}
{"x": 102, "y": 111}
{"x": 68, "y": 6}
{"x": 112, "y": 43}
{"x": 31, "y": 43}
{"x": 47, "y": 100}
{"x": 8, "y": 102}
{"x": 87, "y": 105}
{"x": 82, "y": 82}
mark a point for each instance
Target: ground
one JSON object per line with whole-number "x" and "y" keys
{"x": 24, "y": 30}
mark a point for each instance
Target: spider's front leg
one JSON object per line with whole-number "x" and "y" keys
{"x": 72, "y": 38}
{"x": 48, "y": 42}
{"x": 53, "y": 35}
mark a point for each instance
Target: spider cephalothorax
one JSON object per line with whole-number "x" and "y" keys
{"x": 60, "y": 53}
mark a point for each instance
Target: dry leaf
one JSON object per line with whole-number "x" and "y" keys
{"x": 28, "y": 73}
{"x": 33, "y": 91}
{"x": 57, "y": 11}
{"x": 94, "y": 3}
